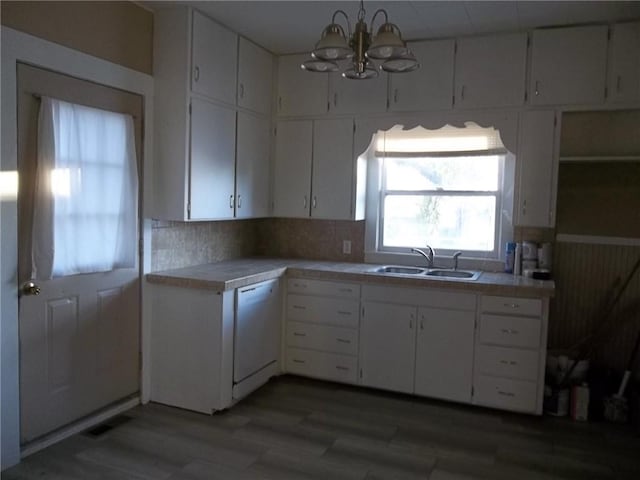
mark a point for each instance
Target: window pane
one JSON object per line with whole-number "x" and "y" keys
{"x": 445, "y": 222}
{"x": 446, "y": 173}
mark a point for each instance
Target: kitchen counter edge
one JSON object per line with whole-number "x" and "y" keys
{"x": 232, "y": 274}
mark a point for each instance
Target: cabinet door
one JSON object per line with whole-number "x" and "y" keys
{"x": 357, "y": 96}
{"x": 444, "y": 354}
{"x": 568, "y": 65}
{"x": 490, "y": 71}
{"x": 292, "y": 176}
{"x": 387, "y": 346}
{"x": 431, "y": 86}
{"x": 213, "y": 133}
{"x": 333, "y": 169}
{"x": 624, "y": 65}
{"x": 537, "y": 168}
{"x": 300, "y": 92}
{"x": 252, "y": 166}
{"x": 255, "y": 73}
{"x": 214, "y": 59}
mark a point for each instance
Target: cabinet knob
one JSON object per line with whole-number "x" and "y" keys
{"x": 395, "y": 95}
{"x": 314, "y": 203}
{"x": 462, "y": 93}
{"x": 537, "y": 90}
{"x": 230, "y": 201}
{"x": 618, "y": 82}
{"x": 241, "y": 90}
{"x": 304, "y": 202}
{"x": 196, "y": 73}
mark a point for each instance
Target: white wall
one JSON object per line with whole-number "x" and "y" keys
{"x": 17, "y": 46}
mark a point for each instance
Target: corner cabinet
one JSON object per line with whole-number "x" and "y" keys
{"x": 568, "y": 65}
{"x": 202, "y": 161}
{"x": 537, "y": 167}
{"x": 300, "y": 92}
{"x": 316, "y": 174}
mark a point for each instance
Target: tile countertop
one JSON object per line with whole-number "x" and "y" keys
{"x": 233, "y": 274}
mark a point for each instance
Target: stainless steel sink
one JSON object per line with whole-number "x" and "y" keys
{"x": 462, "y": 274}
{"x": 400, "y": 269}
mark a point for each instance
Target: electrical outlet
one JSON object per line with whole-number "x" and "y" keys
{"x": 346, "y": 247}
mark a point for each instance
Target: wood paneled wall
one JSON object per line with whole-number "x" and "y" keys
{"x": 587, "y": 277}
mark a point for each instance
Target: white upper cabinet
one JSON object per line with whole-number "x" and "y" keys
{"x": 255, "y": 75}
{"x": 252, "y": 166}
{"x": 214, "y": 57}
{"x": 431, "y": 86}
{"x": 213, "y": 132}
{"x": 335, "y": 189}
{"x": 568, "y": 65}
{"x": 537, "y": 167}
{"x": 491, "y": 71}
{"x": 292, "y": 175}
{"x": 624, "y": 63}
{"x": 357, "y": 96}
{"x": 333, "y": 169}
{"x": 300, "y": 92}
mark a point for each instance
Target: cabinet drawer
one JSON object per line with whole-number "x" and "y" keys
{"x": 319, "y": 287}
{"x": 512, "y": 305}
{"x": 505, "y": 393}
{"x": 427, "y": 297}
{"x": 331, "y": 366}
{"x": 329, "y": 311}
{"x": 507, "y": 362}
{"x": 321, "y": 337}
{"x": 510, "y": 331}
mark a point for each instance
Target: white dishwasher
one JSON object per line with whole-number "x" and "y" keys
{"x": 256, "y": 336}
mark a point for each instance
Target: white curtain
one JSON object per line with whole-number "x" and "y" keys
{"x": 86, "y": 194}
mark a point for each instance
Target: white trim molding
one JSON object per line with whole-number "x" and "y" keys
{"x": 598, "y": 240}
{"x": 21, "y": 47}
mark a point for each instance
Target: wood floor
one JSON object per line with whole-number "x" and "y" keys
{"x": 294, "y": 428}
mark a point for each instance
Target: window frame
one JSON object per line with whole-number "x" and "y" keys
{"x": 498, "y": 194}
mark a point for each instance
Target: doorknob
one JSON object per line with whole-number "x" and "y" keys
{"x": 30, "y": 288}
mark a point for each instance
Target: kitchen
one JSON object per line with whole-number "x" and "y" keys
{"x": 178, "y": 244}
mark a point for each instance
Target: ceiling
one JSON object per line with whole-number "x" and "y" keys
{"x": 294, "y": 26}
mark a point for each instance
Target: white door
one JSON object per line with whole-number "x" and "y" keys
{"x": 255, "y": 72}
{"x": 444, "y": 354}
{"x": 624, "y": 63}
{"x": 79, "y": 337}
{"x": 333, "y": 169}
{"x": 292, "y": 176}
{"x": 357, "y": 96}
{"x": 252, "y": 166}
{"x": 213, "y": 160}
{"x": 387, "y": 346}
{"x": 300, "y": 92}
{"x": 214, "y": 59}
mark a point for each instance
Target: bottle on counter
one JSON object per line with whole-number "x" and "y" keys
{"x": 510, "y": 257}
{"x": 517, "y": 261}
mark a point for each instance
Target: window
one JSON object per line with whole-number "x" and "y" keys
{"x": 441, "y": 188}
{"x": 85, "y": 218}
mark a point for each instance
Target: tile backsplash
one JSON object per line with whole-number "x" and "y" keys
{"x": 182, "y": 244}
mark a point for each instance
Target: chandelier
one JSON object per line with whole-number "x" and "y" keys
{"x": 387, "y": 46}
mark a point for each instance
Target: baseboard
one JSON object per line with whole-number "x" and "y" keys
{"x": 79, "y": 426}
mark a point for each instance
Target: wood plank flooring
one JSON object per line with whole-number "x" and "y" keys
{"x": 295, "y": 428}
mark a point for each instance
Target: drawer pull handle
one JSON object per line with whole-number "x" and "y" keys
{"x": 509, "y": 331}
{"x": 346, "y": 290}
{"x": 298, "y": 334}
{"x": 511, "y": 305}
{"x": 506, "y": 394}
{"x": 338, "y": 367}
{"x": 508, "y": 362}
{"x": 300, "y": 285}
{"x": 299, "y": 307}
{"x": 343, "y": 312}
{"x": 295, "y": 360}
{"x": 343, "y": 340}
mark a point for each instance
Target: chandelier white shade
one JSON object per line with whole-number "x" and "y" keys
{"x": 387, "y": 46}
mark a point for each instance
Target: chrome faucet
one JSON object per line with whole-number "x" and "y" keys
{"x": 429, "y": 256}
{"x": 455, "y": 260}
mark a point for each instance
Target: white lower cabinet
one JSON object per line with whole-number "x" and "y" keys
{"x": 510, "y": 353}
{"x": 444, "y": 354}
{"x": 387, "y": 345}
{"x": 418, "y": 341}
{"x": 322, "y": 320}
